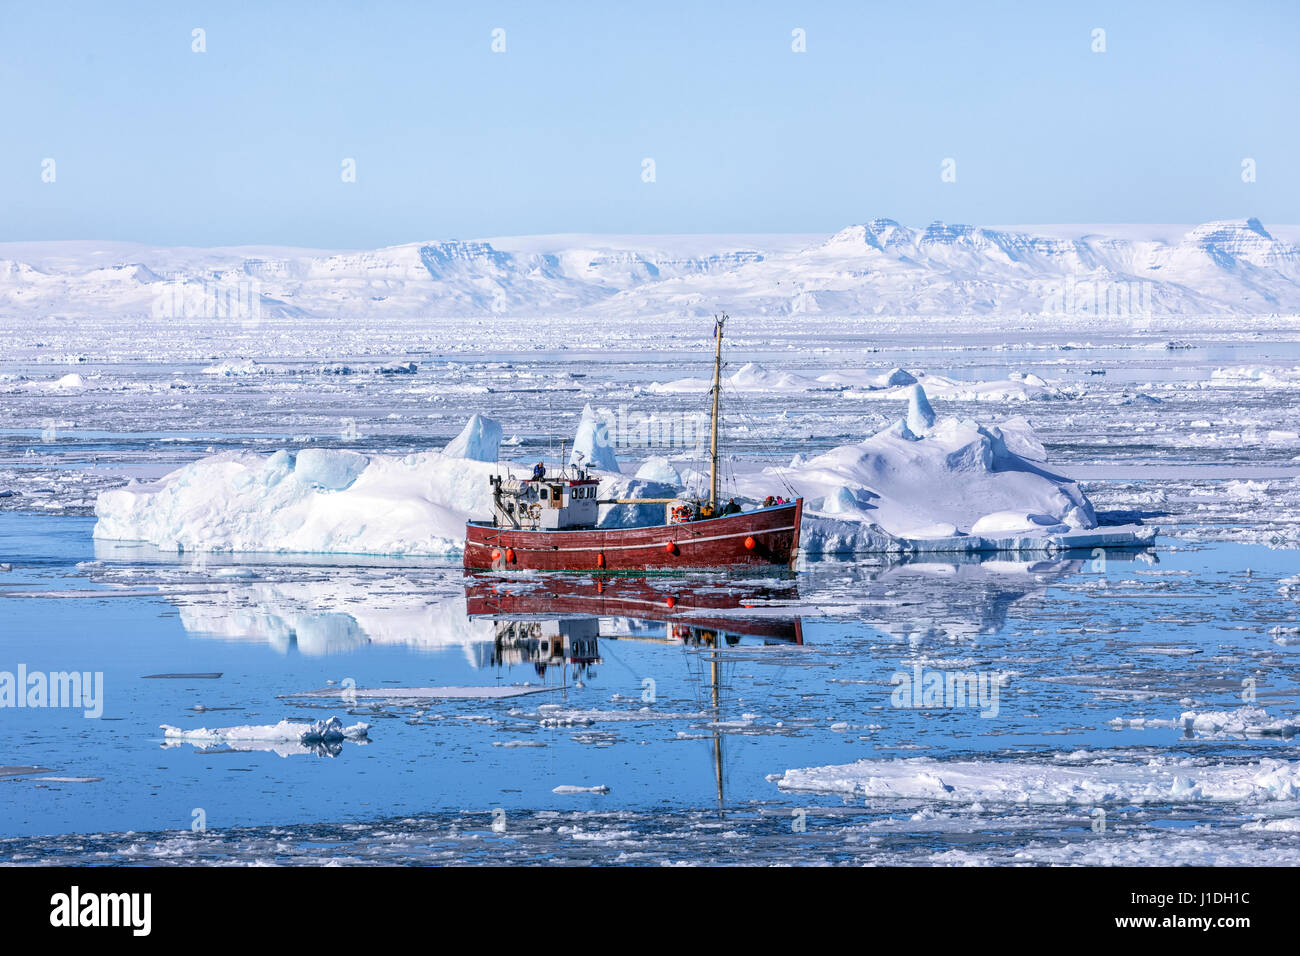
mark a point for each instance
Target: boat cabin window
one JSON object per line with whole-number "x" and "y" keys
{"x": 543, "y": 494}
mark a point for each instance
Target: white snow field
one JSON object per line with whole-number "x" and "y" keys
{"x": 880, "y": 267}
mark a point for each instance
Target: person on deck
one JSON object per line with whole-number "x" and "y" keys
{"x": 732, "y": 508}
{"x": 539, "y": 471}
{"x": 769, "y": 501}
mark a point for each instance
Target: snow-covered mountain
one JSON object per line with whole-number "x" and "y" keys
{"x": 879, "y": 267}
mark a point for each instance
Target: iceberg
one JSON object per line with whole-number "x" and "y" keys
{"x": 950, "y": 485}
{"x": 933, "y": 484}
{"x": 592, "y": 446}
{"x": 480, "y": 440}
{"x": 318, "y": 501}
{"x": 920, "y": 416}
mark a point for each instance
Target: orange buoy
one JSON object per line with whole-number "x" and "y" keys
{"x": 670, "y": 547}
{"x": 671, "y": 602}
{"x": 600, "y": 559}
{"x": 496, "y": 554}
{"x": 750, "y": 544}
{"x": 510, "y": 555}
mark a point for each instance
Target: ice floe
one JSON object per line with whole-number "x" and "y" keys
{"x": 285, "y": 738}
{"x": 1157, "y": 780}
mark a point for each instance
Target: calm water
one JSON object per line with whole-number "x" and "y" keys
{"x": 802, "y": 677}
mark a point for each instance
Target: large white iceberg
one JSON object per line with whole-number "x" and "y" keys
{"x": 320, "y": 500}
{"x": 942, "y": 484}
{"x": 479, "y": 441}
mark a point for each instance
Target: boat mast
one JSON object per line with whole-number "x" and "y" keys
{"x": 713, "y": 429}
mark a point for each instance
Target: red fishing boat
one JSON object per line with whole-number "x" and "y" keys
{"x": 550, "y": 524}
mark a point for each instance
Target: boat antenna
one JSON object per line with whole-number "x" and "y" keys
{"x": 718, "y": 322}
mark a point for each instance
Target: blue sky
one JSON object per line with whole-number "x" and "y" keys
{"x": 244, "y": 143}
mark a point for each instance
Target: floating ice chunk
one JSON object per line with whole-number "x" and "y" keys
{"x": 70, "y": 381}
{"x": 659, "y": 469}
{"x": 1283, "y": 825}
{"x": 894, "y": 378}
{"x": 480, "y": 440}
{"x": 1246, "y": 721}
{"x": 565, "y": 788}
{"x": 230, "y": 368}
{"x": 318, "y": 731}
{"x": 920, "y": 416}
{"x": 592, "y": 446}
{"x": 1025, "y": 782}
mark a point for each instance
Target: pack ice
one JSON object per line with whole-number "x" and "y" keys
{"x": 1077, "y": 779}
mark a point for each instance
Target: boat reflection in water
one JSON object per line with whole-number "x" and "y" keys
{"x": 559, "y": 622}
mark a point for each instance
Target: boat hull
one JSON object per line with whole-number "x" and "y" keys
{"x": 772, "y": 535}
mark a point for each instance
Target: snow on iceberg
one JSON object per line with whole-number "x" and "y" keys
{"x": 331, "y": 469}
{"x": 479, "y": 441}
{"x": 953, "y": 485}
{"x": 658, "y": 468}
{"x": 592, "y": 446}
{"x": 320, "y": 500}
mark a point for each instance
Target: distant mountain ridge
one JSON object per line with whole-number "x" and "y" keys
{"x": 879, "y": 267}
